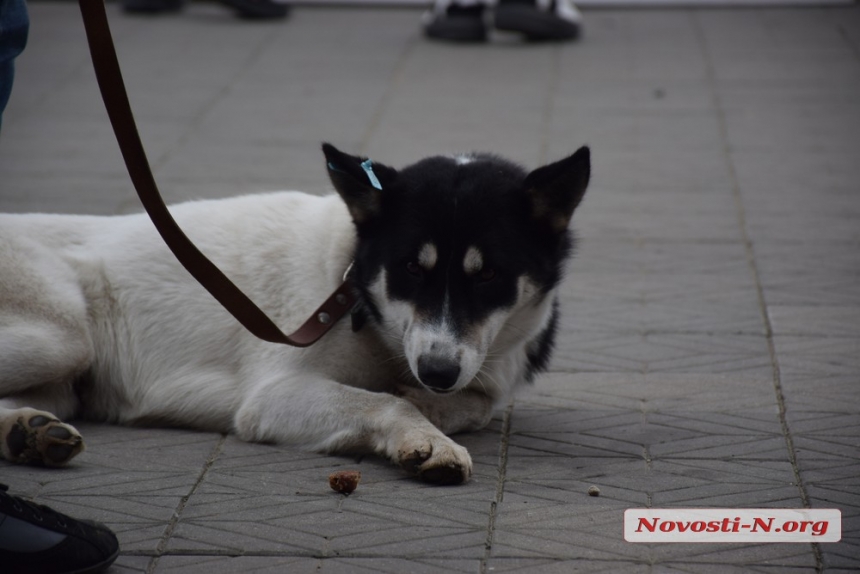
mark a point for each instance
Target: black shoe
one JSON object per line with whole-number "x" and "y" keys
{"x": 152, "y": 6}
{"x": 456, "y": 23}
{"x": 258, "y": 9}
{"x": 37, "y": 540}
{"x": 539, "y": 20}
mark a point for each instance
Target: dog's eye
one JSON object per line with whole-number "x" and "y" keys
{"x": 414, "y": 269}
{"x": 487, "y": 274}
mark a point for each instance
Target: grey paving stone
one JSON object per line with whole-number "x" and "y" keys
{"x": 570, "y": 445}
{"x": 714, "y": 260}
{"x": 818, "y": 273}
{"x": 767, "y": 180}
{"x": 660, "y": 215}
{"x": 747, "y": 133}
{"x": 532, "y": 498}
{"x": 821, "y": 357}
{"x": 397, "y": 565}
{"x": 238, "y": 537}
{"x": 126, "y": 564}
{"x": 551, "y": 566}
{"x": 232, "y": 564}
{"x": 824, "y": 424}
{"x": 695, "y": 353}
{"x": 736, "y": 555}
{"x": 572, "y": 537}
{"x": 826, "y": 321}
{"x": 841, "y": 447}
{"x": 731, "y": 496}
{"x": 671, "y": 480}
{"x": 633, "y": 47}
{"x": 790, "y": 216}
{"x": 470, "y": 104}
{"x": 672, "y": 131}
{"x": 654, "y": 392}
{"x": 704, "y": 308}
{"x": 648, "y": 169}
{"x": 842, "y": 495}
{"x": 821, "y": 393}
{"x": 696, "y": 568}
{"x": 751, "y": 447}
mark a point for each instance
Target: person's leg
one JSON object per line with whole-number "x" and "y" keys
{"x": 14, "y": 26}
{"x": 537, "y": 20}
{"x": 457, "y": 20}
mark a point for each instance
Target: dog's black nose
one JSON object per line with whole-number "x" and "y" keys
{"x": 437, "y": 373}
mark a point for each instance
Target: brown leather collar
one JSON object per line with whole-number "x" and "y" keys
{"x": 213, "y": 280}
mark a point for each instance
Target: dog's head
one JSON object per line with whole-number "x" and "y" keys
{"x": 453, "y": 252}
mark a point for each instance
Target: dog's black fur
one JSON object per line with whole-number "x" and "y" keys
{"x": 486, "y": 201}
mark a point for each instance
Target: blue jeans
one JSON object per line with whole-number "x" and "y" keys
{"x": 14, "y": 25}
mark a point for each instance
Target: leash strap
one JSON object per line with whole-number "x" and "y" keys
{"x": 204, "y": 271}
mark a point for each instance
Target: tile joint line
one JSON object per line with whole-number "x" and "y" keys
{"x": 500, "y": 485}
{"x": 177, "y": 513}
{"x": 751, "y": 261}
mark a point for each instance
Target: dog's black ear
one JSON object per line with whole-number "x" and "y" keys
{"x": 358, "y": 181}
{"x": 556, "y": 189}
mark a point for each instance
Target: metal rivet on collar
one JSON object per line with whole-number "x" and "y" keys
{"x": 324, "y": 318}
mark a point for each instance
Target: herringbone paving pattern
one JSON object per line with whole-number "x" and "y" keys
{"x": 710, "y": 348}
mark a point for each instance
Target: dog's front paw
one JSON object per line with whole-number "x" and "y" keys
{"x": 438, "y": 460}
{"x": 31, "y": 436}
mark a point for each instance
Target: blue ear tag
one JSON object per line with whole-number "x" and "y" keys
{"x": 367, "y": 166}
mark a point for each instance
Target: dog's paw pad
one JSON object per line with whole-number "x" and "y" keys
{"x": 59, "y": 432}
{"x": 39, "y": 421}
{"x": 58, "y": 454}
{"x": 37, "y": 437}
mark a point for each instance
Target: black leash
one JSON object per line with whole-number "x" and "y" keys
{"x": 202, "y": 269}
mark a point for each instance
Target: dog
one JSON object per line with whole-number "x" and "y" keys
{"x": 456, "y": 263}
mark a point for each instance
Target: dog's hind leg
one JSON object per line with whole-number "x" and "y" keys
{"x": 45, "y": 346}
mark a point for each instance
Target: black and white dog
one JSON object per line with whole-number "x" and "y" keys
{"x": 456, "y": 264}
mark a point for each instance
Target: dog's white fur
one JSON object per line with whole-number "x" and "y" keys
{"x": 104, "y": 298}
